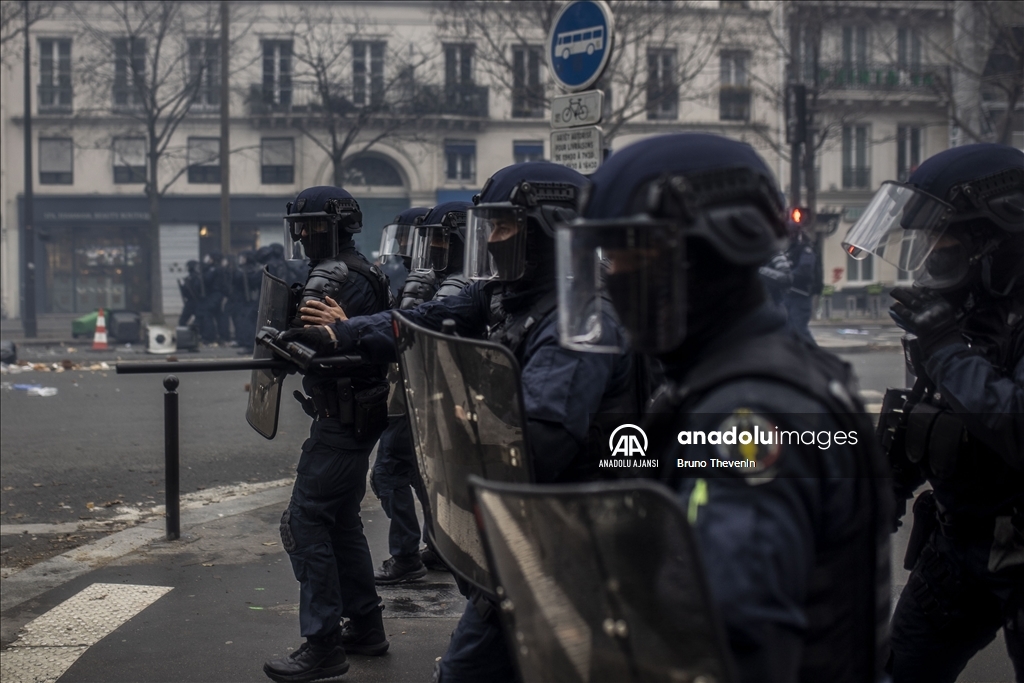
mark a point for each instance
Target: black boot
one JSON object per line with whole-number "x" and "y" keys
{"x": 313, "y": 661}
{"x": 400, "y": 570}
{"x": 364, "y": 635}
{"x": 431, "y": 561}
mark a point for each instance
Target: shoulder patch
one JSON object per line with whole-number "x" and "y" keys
{"x": 751, "y": 439}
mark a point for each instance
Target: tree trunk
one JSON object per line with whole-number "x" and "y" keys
{"x": 339, "y": 172}
{"x": 155, "y": 270}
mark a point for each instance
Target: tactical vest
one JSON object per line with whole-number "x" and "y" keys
{"x": 842, "y": 618}
{"x": 327, "y": 277}
{"x": 513, "y": 331}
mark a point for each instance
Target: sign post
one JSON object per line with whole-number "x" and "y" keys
{"x": 579, "y": 46}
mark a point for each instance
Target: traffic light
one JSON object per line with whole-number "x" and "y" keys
{"x": 799, "y": 215}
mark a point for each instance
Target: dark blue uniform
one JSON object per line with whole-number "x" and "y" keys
{"x": 968, "y": 581}
{"x": 796, "y": 547}
{"x": 561, "y": 390}
{"x": 321, "y": 528}
{"x": 798, "y": 299}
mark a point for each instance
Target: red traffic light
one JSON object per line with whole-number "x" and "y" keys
{"x": 798, "y": 215}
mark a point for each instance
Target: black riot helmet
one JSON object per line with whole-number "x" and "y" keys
{"x": 322, "y": 219}
{"x": 511, "y": 226}
{"x": 397, "y": 236}
{"x": 439, "y": 241}
{"x": 958, "y": 220}
{"x": 663, "y": 217}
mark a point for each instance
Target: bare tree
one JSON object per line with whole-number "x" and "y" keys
{"x": 352, "y": 88}
{"x": 661, "y": 48}
{"x": 984, "y": 86}
{"x": 12, "y": 24}
{"x": 150, "y": 64}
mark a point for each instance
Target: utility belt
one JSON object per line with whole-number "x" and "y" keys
{"x": 365, "y": 412}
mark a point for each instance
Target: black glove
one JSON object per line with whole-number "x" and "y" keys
{"x": 928, "y": 315}
{"x": 316, "y": 338}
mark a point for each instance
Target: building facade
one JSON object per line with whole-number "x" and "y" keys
{"x": 406, "y": 103}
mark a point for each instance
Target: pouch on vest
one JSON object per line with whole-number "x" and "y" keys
{"x": 371, "y": 410}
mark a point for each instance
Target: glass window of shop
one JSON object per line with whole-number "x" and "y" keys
{"x": 96, "y": 266}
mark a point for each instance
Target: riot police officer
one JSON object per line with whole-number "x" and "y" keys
{"x": 192, "y": 293}
{"x": 803, "y": 264}
{"x": 435, "y": 272}
{"x": 510, "y": 253}
{"x": 958, "y": 223}
{"x": 396, "y": 247}
{"x": 321, "y": 529}
{"x": 793, "y": 536}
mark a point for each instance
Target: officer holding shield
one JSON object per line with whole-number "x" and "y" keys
{"x": 321, "y": 529}
{"x": 794, "y": 537}
{"x": 510, "y": 255}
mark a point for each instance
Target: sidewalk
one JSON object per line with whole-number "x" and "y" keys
{"x": 211, "y": 606}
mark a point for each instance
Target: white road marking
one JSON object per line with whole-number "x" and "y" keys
{"x": 51, "y": 643}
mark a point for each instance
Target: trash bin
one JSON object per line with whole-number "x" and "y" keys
{"x": 124, "y": 326}
{"x": 84, "y": 326}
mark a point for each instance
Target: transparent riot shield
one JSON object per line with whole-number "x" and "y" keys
{"x": 600, "y": 582}
{"x": 265, "y": 386}
{"x": 465, "y": 409}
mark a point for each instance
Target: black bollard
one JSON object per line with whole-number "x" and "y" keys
{"x": 171, "y": 458}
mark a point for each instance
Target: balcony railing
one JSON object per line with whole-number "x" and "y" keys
{"x": 418, "y": 100}
{"x": 54, "y": 98}
{"x": 734, "y": 103}
{"x": 856, "y": 177}
{"x": 872, "y": 76}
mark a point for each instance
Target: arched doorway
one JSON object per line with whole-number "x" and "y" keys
{"x": 378, "y": 185}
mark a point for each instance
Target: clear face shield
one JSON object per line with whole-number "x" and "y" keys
{"x": 396, "y": 241}
{"x": 314, "y": 236}
{"x": 637, "y": 267}
{"x": 430, "y": 247}
{"x": 495, "y": 242}
{"x": 901, "y": 225}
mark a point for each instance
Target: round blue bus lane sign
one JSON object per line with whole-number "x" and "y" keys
{"x": 580, "y": 43}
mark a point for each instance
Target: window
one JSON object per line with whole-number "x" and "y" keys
{"x": 856, "y": 170}
{"x": 855, "y": 46}
{"x": 371, "y": 170}
{"x": 860, "y": 271}
{"x": 662, "y": 93}
{"x": 129, "y": 71}
{"x": 56, "y": 163}
{"x": 527, "y": 89}
{"x": 277, "y": 161}
{"x": 277, "y": 72}
{"x": 204, "y": 67}
{"x": 460, "y": 158}
{"x": 458, "y": 65}
{"x": 368, "y": 72}
{"x": 734, "y": 95}
{"x": 908, "y": 151}
{"x": 527, "y": 150}
{"x": 908, "y": 49}
{"x": 204, "y": 160}
{"x": 54, "y": 75}
{"x": 129, "y": 160}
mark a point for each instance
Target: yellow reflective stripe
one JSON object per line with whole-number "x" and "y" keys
{"x": 698, "y": 497}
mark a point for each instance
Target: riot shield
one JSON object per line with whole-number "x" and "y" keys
{"x": 600, "y": 582}
{"x": 265, "y": 386}
{"x": 465, "y": 412}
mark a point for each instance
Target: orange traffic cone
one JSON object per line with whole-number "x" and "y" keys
{"x": 99, "y": 340}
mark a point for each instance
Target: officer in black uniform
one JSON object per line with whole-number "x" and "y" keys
{"x": 510, "y": 251}
{"x": 435, "y": 273}
{"x": 803, "y": 268}
{"x": 191, "y": 293}
{"x": 793, "y": 535}
{"x": 396, "y": 247}
{"x": 960, "y": 216}
{"x": 321, "y": 529}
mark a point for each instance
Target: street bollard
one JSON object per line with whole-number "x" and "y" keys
{"x": 171, "y": 497}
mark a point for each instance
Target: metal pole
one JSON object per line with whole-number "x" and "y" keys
{"x": 172, "y": 502}
{"x": 225, "y": 140}
{"x": 28, "y": 309}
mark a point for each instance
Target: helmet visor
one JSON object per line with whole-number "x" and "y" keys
{"x": 636, "y": 265}
{"x": 396, "y": 240}
{"x": 495, "y": 242}
{"x": 430, "y": 247}
{"x": 317, "y": 236}
{"x": 901, "y": 226}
